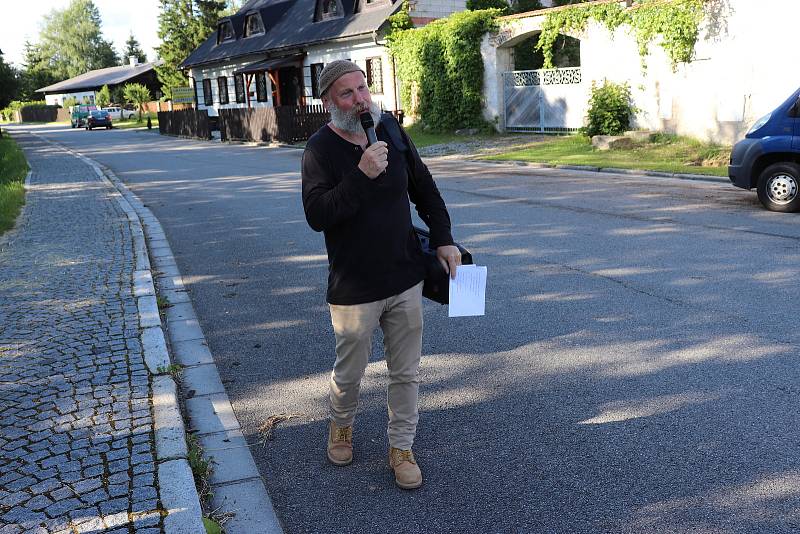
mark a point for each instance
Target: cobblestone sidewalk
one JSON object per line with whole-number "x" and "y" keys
{"x": 77, "y": 437}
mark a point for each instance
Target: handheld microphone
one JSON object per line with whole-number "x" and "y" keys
{"x": 369, "y": 127}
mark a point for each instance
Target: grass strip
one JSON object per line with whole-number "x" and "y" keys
{"x": 664, "y": 153}
{"x": 13, "y": 169}
{"x": 134, "y": 123}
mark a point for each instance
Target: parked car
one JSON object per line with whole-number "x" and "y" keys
{"x": 78, "y": 115}
{"x": 768, "y": 158}
{"x": 98, "y": 118}
{"x": 117, "y": 113}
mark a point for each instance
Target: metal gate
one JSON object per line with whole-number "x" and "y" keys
{"x": 546, "y": 100}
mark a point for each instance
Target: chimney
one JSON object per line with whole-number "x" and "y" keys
{"x": 133, "y": 61}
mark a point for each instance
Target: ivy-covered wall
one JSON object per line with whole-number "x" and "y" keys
{"x": 440, "y": 68}
{"x": 676, "y": 22}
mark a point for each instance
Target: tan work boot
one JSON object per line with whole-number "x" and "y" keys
{"x": 340, "y": 444}
{"x": 406, "y": 471}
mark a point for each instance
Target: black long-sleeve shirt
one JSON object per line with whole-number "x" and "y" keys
{"x": 373, "y": 252}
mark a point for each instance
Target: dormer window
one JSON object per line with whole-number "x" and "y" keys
{"x": 253, "y": 25}
{"x": 367, "y": 4}
{"x": 329, "y": 9}
{"x": 225, "y": 31}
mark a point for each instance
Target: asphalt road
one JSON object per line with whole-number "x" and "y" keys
{"x": 636, "y": 370}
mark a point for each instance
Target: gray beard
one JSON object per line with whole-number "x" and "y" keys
{"x": 349, "y": 121}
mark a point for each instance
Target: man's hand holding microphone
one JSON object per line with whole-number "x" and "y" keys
{"x": 375, "y": 158}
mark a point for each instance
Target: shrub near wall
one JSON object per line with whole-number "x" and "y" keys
{"x": 610, "y": 109}
{"x": 441, "y": 69}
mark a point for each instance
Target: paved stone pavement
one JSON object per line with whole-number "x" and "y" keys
{"x": 77, "y": 450}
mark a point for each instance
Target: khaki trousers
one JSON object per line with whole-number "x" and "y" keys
{"x": 400, "y": 318}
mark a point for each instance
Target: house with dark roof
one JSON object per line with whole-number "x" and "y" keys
{"x": 271, "y": 52}
{"x": 85, "y": 87}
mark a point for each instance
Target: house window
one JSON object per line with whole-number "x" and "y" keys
{"x": 208, "y": 97}
{"x": 375, "y": 75}
{"x": 238, "y": 84}
{"x": 253, "y": 25}
{"x": 329, "y": 9}
{"x": 222, "y": 86}
{"x": 225, "y": 31}
{"x": 261, "y": 86}
{"x": 316, "y": 70}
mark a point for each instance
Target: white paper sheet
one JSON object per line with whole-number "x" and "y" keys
{"x": 468, "y": 292}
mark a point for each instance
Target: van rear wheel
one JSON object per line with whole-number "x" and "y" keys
{"x": 779, "y": 187}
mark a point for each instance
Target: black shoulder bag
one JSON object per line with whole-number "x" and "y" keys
{"x": 437, "y": 284}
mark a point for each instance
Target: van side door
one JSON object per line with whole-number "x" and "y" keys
{"x": 795, "y": 113}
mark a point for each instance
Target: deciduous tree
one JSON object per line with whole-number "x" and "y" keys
{"x": 72, "y": 41}
{"x": 137, "y": 94}
{"x": 103, "y": 97}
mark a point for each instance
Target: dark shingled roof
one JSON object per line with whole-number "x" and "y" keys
{"x": 98, "y": 78}
{"x": 289, "y": 23}
{"x": 268, "y": 64}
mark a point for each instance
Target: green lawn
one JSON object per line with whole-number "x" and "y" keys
{"x": 666, "y": 153}
{"x": 133, "y": 122}
{"x": 13, "y": 169}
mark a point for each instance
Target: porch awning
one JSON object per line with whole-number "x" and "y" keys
{"x": 268, "y": 64}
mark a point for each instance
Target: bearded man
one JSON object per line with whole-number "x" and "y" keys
{"x": 358, "y": 195}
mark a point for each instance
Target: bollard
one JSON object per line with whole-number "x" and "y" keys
{"x": 149, "y": 123}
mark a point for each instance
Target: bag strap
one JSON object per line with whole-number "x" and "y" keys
{"x": 392, "y": 127}
{"x": 389, "y": 123}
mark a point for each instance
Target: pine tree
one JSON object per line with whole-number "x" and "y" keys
{"x": 36, "y": 73}
{"x": 133, "y": 49}
{"x": 208, "y": 14}
{"x": 182, "y": 27}
{"x": 8, "y": 82}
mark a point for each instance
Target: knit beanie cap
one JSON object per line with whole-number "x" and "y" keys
{"x": 335, "y": 70}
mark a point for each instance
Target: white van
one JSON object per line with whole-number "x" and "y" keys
{"x": 119, "y": 113}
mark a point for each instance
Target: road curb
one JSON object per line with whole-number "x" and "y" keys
{"x": 200, "y": 374}
{"x": 177, "y": 492}
{"x": 608, "y": 170}
{"x": 180, "y": 495}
